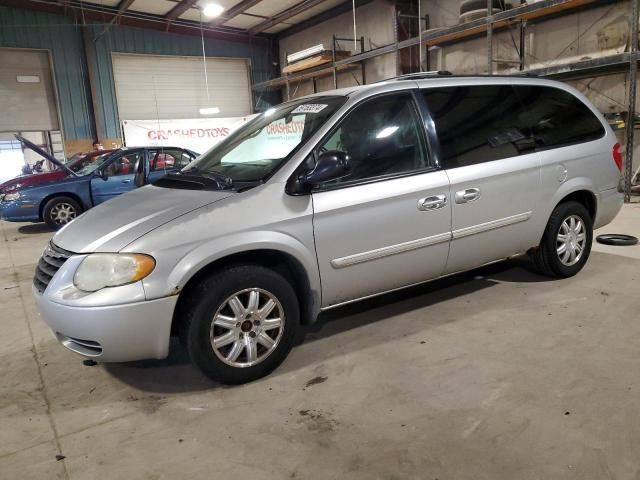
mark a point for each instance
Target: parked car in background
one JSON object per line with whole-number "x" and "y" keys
{"x": 327, "y": 200}
{"x": 62, "y": 170}
{"x": 106, "y": 176}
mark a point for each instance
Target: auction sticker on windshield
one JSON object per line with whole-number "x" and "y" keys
{"x": 309, "y": 108}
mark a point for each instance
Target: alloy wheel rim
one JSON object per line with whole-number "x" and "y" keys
{"x": 571, "y": 240}
{"x": 63, "y": 213}
{"x": 247, "y": 327}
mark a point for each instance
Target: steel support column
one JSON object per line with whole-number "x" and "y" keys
{"x": 633, "y": 82}
{"x": 90, "y": 55}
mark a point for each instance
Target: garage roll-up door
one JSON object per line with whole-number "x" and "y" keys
{"x": 170, "y": 87}
{"x": 27, "y": 98}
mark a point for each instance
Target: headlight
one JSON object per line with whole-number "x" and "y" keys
{"x": 100, "y": 270}
{"x": 11, "y": 196}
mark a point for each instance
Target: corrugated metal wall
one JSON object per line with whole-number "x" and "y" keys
{"x": 137, "y": 40}
{"x": 59, "y": 35}
{"x": 27, "y": 29}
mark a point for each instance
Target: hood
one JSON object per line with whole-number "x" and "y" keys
{"x": 113, "y": 225}
{"x": 33, "y": 179}
{"x": 32, "y": 146}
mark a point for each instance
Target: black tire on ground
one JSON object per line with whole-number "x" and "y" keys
{"x": 546, "y": 259}
{"x": 472, "y": 5}
{"x": 617, "y": 239}
{"x": 59, "y": 211}
{"x": 202, "y": 304}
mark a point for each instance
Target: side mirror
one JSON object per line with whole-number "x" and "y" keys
{"x": 102, "y": 173}
{"x": 330, "y": 166}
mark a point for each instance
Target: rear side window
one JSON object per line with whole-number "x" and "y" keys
{"x": 482, "y": 123}
{"x": 553, "y": 117}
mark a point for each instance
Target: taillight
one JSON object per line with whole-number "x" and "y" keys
{"x": 617, "y": 156}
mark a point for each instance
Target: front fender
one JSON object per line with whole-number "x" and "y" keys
{"x": 204, "y": 254}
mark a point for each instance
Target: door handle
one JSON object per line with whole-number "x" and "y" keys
{"x": 432, "y": 203}
{"x": 126, "y": 181}
{"x": 468, "y": 195}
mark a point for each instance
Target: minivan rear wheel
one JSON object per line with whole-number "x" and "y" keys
{"x": 566, "y": 243}
{"x": 240, "y": 323}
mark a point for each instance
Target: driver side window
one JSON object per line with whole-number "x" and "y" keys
{"x": 383, "y": 137}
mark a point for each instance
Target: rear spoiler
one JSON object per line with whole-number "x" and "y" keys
{"x": 32, "y": 146}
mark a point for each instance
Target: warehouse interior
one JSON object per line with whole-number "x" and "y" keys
{"x": 495, "y": 372}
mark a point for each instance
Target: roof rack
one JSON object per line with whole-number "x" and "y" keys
{"x": 418, "y": 75}
{"x": 446, "y": 73}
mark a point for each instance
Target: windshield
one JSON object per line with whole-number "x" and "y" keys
{"x": 87, "y": 159}
{"x": 92, "y": 166}
{"x": 256, "y": 150}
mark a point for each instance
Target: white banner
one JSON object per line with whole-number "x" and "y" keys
{"x": 197, "y": 134}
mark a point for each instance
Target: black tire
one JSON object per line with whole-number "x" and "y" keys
{"x": 617, "y": 239}
{"x": 545, "y": 258}
{"x": 473, "y": 5}
{"x": 51, "y": 213}
{"x": 210, "y": 295}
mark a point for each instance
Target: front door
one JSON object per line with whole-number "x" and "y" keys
{"x": 387, "y": 224}
{"x": 118, "y": 177}
{"x": 494, "y": 170}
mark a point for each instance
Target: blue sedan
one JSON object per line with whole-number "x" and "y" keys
{"x": 111, "y": 174}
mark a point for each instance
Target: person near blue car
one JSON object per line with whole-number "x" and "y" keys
{"x": 108, "y": 176}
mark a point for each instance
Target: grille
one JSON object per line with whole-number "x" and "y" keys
{"x": 50, "y": 262}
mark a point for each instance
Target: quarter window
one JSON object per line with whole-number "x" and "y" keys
{"x": 169, "y": 159}
{"x": 554, "y": 117}
{"x": 383, "y": 137}
{"x": 482, "y": 123}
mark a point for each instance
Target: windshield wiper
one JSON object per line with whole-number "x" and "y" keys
{"x": 222, "y": 179}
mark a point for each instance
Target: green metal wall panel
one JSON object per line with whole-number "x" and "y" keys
{"x": 58, "y": 34}
{"x": 21, "y": 28}
{"x": 123, "y": 39}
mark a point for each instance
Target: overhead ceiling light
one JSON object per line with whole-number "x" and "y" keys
{"x": 209, "y": 111}
{"x": 212, "y": 10}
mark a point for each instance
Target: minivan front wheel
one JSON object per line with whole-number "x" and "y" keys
{"x": 240, "y": 323}
{"x": 566, "y": 243}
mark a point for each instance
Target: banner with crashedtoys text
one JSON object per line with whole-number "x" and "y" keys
{"x": 197, "y": 134}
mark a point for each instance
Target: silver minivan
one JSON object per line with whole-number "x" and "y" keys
{"x": 326, "y": 200}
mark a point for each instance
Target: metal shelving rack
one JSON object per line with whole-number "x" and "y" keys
{"x": 626, "y": 62}
{"x": 312, "y": 74}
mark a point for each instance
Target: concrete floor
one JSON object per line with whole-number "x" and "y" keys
{"x": 494, "y": 374}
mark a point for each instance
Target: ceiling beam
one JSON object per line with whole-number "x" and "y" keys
{"x": 284, "y": 15}
{"x": 236, "y": 10}
{"x": 321, "y": 17}
{"x": 122, "y": 7}
{"x": 100, "y": 15}
{"x": 180, "y": 8}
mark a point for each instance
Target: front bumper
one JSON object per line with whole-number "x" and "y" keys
{"x": 19, "y": 211}
{"x": 116, "y": 333}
